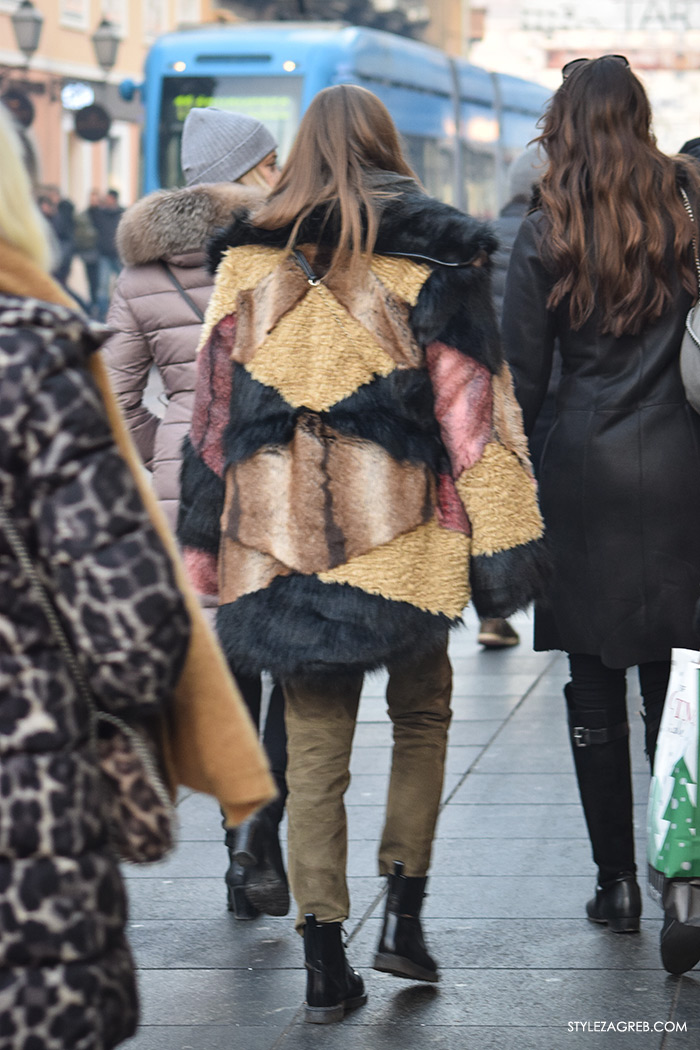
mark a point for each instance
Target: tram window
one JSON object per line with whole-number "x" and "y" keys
{"x": 479, "y": 167}
{"x": 433, "y": 163}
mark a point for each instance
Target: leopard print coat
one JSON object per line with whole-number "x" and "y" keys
{"x": 66, "y": 974}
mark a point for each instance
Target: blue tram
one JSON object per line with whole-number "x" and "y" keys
{"x": 461, "y": 125}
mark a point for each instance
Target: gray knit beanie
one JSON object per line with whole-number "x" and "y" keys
{"x": 525, "y": 172}
{"x": 219, "y": 146}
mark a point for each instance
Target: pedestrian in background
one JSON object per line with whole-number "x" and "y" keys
{"x": 86, "y": 239}
{"x": 106, "y": 218}
{"x": 229, "y": 161}
{"x": 356, "y": 462}
{"x": 605, "y": 266}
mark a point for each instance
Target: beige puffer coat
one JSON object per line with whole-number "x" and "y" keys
{"x": 154, "y": 325}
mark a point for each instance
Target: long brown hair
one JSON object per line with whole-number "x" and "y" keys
{"x": 612, "y": 201}
{"x": 345, "y": 135}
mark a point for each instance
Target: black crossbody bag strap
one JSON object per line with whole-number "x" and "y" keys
{"x": 176, "y": 284}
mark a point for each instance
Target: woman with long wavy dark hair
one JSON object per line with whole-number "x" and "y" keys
{"x": 605, "y": 265}
{"x": 356, "y": 467}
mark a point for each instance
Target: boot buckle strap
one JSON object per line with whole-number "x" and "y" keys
{"x": 584, "y": 737}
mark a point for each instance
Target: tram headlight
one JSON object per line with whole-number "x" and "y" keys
{"x": 289, "y": 66}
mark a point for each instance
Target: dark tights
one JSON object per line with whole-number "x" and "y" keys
{"x": 274, "y": 736}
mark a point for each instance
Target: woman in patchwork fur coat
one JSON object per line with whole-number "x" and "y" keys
{"x": 355, "y": 472}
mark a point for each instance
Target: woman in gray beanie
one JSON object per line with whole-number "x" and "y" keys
{"x": 229, "y": 161}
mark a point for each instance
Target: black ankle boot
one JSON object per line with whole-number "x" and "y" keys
{"x": 258, "y": 851}
{"x": 680, "y": 946}
{"x": 236, "y": 876}
{"x": 332, "y": 986}
{"x": 618, "y": 904}
{"x": 401, "y": 950}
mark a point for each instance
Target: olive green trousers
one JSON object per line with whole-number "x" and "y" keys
{"x": 321, "y": 714}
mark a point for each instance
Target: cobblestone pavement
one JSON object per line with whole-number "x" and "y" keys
{"x": 521, "y": 967}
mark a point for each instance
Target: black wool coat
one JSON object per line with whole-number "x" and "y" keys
{"x": 620, "y": 472}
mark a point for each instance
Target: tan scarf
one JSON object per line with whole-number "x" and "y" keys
{"x": 213, "y": 744}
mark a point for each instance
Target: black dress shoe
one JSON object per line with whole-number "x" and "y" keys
{"x": 402, "y": 950}
{"x": 680, "y": 946}
{"x": 332, "y": 986}
{"x": 617, "y": 904}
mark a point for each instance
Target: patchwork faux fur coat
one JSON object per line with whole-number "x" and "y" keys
{"x": 356, "y": 468}
{"x": 155, "y": 326}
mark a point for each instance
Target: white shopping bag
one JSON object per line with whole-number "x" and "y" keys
{"x": 673, "y": 822}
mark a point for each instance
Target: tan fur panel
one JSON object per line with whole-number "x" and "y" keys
{"x": 260, "y": 308}
{"x": 401, "y": 276}
{"x": 508, "y": 418}
{"x": 428, "y": 567}
{"x": 239, "y": 269}
{"x": 339, "y": 354}
{"x": 243, "y": 570}
{"x": 323, "y": 499}
{"x": 501, "y": 500}
{"x": 384, "y": 315}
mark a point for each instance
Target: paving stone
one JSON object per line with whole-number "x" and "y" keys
{"x": 522, "y": 944}
{"x": 454, "y": 1037}
{"x": 202, "y": 1037}
{"x": 264, "y": 999}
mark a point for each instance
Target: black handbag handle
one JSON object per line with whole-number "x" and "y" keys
{"x": 188, "y": 298}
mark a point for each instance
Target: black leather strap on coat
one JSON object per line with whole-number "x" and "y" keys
{"x": 188, "y": 298}
{"x": 311, "y": 277}
{"x": 581, "y": 736}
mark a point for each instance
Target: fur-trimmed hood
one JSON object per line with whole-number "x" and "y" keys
{"x": 169, "y": 223}
{"x": 410, "y": 223}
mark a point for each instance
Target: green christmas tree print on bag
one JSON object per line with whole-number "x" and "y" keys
{"x": 674, "y": 814}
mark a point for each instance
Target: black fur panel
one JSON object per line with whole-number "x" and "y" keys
{"x": 201, "y": 502}
{"x": 395, "y": 412}
{"x": 258, "y": 416}
{"x": 409, "y": 223}
{"x": 456, "y": 307}
{"x": 509, "y": 580}
{"x": 299, "y": 625}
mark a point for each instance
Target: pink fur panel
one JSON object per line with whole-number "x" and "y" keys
{"x": 463, "y": 404}
{"x": 201, "y": 567}
{"x": 213, "y": 394}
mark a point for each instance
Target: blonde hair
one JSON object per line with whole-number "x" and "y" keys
{"x": 21, "y": 222}
{"x": 254, "y": 177}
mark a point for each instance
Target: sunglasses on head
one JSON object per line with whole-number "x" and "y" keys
{"x": 576, "y": 62}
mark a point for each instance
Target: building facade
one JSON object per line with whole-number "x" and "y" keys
{"x": 85, "y": 135}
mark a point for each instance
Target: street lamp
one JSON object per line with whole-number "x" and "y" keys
{"x": 27, "y": 23}
{"x": 105, "y": 41}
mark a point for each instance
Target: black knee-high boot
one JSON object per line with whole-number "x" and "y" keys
{"x": 602, "y": 762}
